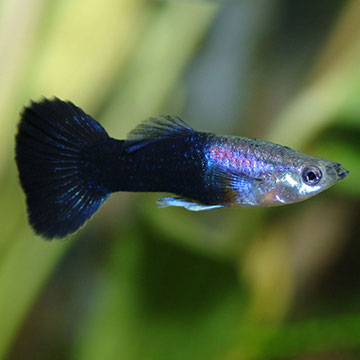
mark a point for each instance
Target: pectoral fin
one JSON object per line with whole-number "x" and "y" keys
{"x": 233, "y": 178}
{"x": 240, "y": 187}
{"x": 187, "y": 204}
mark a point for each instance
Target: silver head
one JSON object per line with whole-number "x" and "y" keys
{"x": 304, "y": 178}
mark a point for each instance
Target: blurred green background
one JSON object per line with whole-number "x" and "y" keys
{"x": 145, "y": 283}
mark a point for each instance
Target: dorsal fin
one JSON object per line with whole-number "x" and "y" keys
{"x": 154, "y": 129}
{"x": 160, "y": 127}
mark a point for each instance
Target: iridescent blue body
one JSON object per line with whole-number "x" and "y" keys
{"x": 68, "y": 166}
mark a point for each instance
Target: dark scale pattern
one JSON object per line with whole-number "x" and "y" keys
{"x": 174, "y": 164}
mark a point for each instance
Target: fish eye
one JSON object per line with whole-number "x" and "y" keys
{"x": 311, "y": 175}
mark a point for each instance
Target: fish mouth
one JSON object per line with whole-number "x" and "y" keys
{"x": 341, "y": 172}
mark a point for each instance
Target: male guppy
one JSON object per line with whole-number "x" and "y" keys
{"x": 68, "y": 166}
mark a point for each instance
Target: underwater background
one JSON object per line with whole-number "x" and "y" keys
{"x": 145, "y": 283}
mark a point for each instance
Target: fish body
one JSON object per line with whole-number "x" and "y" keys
{"x": 68, "y": 165}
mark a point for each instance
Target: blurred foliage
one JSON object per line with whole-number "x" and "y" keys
{"x": 144, "y": 283}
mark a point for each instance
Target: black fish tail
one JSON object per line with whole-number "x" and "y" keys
{"x": 53, "y": 144}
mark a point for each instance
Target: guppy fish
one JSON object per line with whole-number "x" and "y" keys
{"x": 68, "y": 166}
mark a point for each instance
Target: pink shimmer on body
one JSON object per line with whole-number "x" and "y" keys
{"x": 226, "y": 156}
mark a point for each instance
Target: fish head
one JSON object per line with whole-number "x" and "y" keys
{"x": 300, "y": 180}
